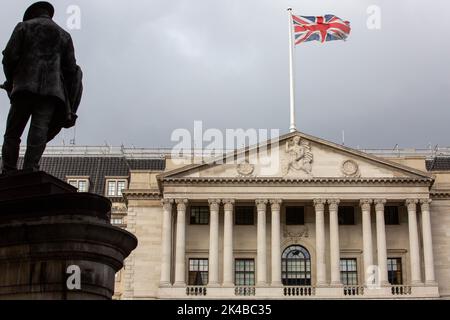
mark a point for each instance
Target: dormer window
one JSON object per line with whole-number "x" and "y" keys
{"x": 82, "y": 184}
{"x": 115, "y": 187}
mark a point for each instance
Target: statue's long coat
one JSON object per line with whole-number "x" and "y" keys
{"x": 39, "y": 58}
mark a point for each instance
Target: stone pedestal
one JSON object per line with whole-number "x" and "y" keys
{"x": 55, "y": 243}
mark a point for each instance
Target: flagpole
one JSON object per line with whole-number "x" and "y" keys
{"x": 293, "y": 126}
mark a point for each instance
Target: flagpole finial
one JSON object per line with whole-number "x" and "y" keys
{"x": 289, "y": 9}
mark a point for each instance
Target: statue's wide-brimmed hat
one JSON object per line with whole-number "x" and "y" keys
{"x": 33, "y": 10}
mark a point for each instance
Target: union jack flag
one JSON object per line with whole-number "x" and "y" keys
{"x": 326, "y": 28}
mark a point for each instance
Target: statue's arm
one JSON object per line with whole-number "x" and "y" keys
{"x": 12, "y": 55}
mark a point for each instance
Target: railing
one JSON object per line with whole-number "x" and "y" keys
{"x": 196, "y": 291}
{"x": 353, "y": 290}
{"x": 299, "y": 291}
{"x": 244, "y": 291}
{"x": 76, "y": 150}
{"x": 401, "y": 290}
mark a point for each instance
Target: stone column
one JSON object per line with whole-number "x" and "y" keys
{"x": 261, "y": 206}
{"x": 333, "y": 205}
{"x": 366, "y": 205}
{"x": 228, "y": 260}
{"x": 180, "y": 262}
{"x": 319, "y": 206}
{"x": 276, "y": 242}
{"x": 427, "y": 242}
{"x": 214, "y": 206}
{"x": 166, "y": 242}
{"x": 414, "y": 256}
{"x": 381, "y": 242}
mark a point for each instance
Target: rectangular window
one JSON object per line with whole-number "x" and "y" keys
{"x": 198, "y": 272}
{"x": 295, "y": 216}
{"x": 114, "y": 188}
{"x": 395, "y": 275}
{"x": 111, "y": 188}
{"x": 244, "y": 272}
{"x": 346, "y": 215}
{"x": 121, "y": 185}
{"x": 244, "y": 216}
{"x": 391, "y": 215}
{"x": 349, "y": 272}
{"x": 200, "y": 215}
{"x": 81, "y": 184}
{"x": 117, "y": 221}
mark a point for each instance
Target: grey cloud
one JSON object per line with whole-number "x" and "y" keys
{"x": 154, "y": 66}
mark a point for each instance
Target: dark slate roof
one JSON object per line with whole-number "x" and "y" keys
{"x": 438, "y": 164}
{"x": 97, "y": 168}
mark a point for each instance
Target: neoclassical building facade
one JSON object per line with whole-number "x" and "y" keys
{"x": 296, "y": 218}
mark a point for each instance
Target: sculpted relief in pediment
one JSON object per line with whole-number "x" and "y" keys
{"x": 298, "y": 157}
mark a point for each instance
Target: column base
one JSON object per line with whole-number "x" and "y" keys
{"x": 416, "y": 283}
{"x": 431, "y": 283}
{"x": 276, "y": 284}
{"x": 165, "y": 284}
{"x": 213, "y": 285}
{"x": 179, "y": 284}
{"x": 262, "y": 284}
{"x": 228, "y": 285}
{"x": 321, "y": 284}
{"x": 336, "y": 284}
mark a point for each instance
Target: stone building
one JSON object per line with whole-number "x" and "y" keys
{"x": 325, "y": 221}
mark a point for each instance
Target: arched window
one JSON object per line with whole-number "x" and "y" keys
{"x": 296, "y": 266}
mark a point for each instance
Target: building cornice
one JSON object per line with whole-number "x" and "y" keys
{"x": 440, "y": 194}
{"x": 290, "y": 181}
{"x": 142, "y": 194}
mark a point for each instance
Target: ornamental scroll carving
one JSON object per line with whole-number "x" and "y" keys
{"x": 299, "y": 156}
{"x": 295, "y": 234}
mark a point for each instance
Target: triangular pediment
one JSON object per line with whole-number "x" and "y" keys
{"x": 298, "y": 156}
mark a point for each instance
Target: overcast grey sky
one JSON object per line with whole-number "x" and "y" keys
{"x": 152, "y": 66}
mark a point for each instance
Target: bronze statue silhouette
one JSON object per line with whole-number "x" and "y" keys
{"x": 43, "y": 82}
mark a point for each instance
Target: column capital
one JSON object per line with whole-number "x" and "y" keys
{"x": 261, "y": 204}
{"x": 276, "y": 204}
{"x": 365, "y": 204}
{"x": 228, "y": 204}
{"x": 425, "y": 204}
{"x": 379, "y": 204}
{"x": 333, "y": 204}
{"x": 214, "y": 204}
{"x": 181, "y": 204}
{"x": 319, "y": 204}
{"x": 167, "y": 204}
{"x": 411, "y": 204}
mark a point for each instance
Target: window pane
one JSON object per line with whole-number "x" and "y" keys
{"x": 349, "y": 273}
{"x": 121, "y": 185}
{"x": 111, "y": 188}
{"x": 295, "y": 215}
{"x": 244, "y": 272}
{"x": 346, "y": 215}
{"x": 391, "y": 216}
{"x": 244, "y": 216}
{"x": 395, "y": 274}
{"x": 73, "y": 183}
{"x": 296, "y": 266}
{"x": 200, "y": 215}
{"x": 82, "y": 186}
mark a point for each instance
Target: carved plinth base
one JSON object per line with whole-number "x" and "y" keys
{"x": 56, "y": 239}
